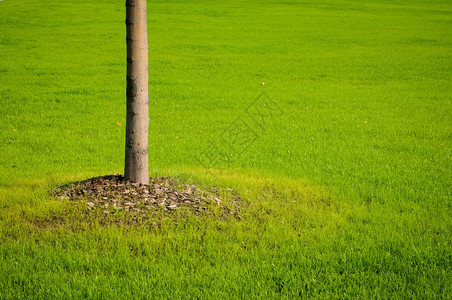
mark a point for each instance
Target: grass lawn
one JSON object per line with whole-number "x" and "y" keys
{"x": 348, "y": 182}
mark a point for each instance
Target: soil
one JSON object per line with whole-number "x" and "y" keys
{"x": 111, "y": 194}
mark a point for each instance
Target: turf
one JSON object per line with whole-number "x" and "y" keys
{"x": 348, "y": 183}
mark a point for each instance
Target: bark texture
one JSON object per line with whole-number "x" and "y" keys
{"x": 136, "y": 157}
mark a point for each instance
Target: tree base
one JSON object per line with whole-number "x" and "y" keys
{"x": 109, "y": 196}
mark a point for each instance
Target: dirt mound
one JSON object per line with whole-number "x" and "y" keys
{"x": 112, "y": 195}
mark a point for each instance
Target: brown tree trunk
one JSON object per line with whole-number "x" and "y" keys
{"x": 136, "y": 158}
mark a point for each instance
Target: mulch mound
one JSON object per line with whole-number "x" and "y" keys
{"x": 112, "y": 194}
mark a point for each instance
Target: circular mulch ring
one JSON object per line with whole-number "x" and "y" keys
{"x": 112, "y": 195}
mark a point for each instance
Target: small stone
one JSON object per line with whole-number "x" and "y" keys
{"x": 129, "y": 203}
{"x": 172, "y": 207}
{"x": 91, "y": 204}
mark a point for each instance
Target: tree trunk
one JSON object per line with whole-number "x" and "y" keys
{"x": 136, "y": 158}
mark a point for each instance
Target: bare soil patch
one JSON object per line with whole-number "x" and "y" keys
{"x": 111, "y": 195}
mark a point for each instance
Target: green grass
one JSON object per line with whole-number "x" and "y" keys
{"x": 349, "y": 189}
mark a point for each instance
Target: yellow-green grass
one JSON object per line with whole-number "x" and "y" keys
{"x": 349, "y": 189}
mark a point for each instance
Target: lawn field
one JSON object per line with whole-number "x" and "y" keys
{"x": 347, "y": 177}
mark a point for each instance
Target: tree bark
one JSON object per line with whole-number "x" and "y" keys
{"x": 136, "y": 156}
